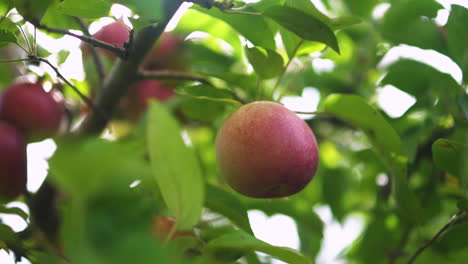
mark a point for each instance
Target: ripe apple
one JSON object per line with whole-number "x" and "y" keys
{"x": 30, "y": 108}
{"x": 13, "y": 172}
{"x": 162, "y": 226}
{"x": 114, "y": 34}
{"x": 166, "y": 54}
{"x": 265, "y": 151}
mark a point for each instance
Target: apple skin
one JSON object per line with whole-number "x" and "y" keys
{"x": 162, "y": 226}
{"x": 13, "y": 170}
{"x": 265, "y": 150}
{"x": 168, "y": 53}
{"x": 114, "y": 34}
{"x": 30, "y": 108}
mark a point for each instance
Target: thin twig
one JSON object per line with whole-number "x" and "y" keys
{"x": 120, "y": 52}
{"x": 459, "y": 215}
{"x": 81, "y": 95}
{"x": 94, "y": 54}
{"x": 171, "y": 75}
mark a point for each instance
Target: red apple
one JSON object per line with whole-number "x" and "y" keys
{"x": 162, "y": 227}
{"x": 30, "y": 108}
{"x": 166, "y": 54}
{"x": 266, "y": 151}
{"x": 114, "y": 34}
{"x": 13, "y": 172}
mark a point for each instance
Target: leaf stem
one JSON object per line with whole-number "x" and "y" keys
{"x": 458, "y": 216}
{"x": 280, "y": 78}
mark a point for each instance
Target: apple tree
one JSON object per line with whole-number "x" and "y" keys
{"x": 183, "y": 123}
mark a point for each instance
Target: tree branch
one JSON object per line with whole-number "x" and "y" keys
{"x": 124, "y": 72}
{"x": 120, "y": 52}
{"x": 170, "y": 75}
{"x": 459, "y": 215}
{"x": 94, "y": 54}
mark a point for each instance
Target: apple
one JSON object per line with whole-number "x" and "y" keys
{"x": 30, "y": 108}
{"x": 166, "y": 54}
{"x": 13, "y": 172}
{"x": 265, "y": 150}
{"x": 114, "y": 34}
{"x": 163, "y": 225}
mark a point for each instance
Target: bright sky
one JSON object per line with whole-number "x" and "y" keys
{"x": 279, "y": 229}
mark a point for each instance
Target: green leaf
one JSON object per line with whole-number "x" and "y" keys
{"x": 211, "y": 25}
{"x": 303, "y": 25}
{"x": 387, "y": 143}
{"x": 457, "y": 38}
{"x": 14, "y": 210}
{"x": 32, "y": 9}
{"x": 6, "y": 37}
{"x": 266, "y": 63}
{"x": 150, "y": 10}
{"x": 454, "y": 239}
{"x": 344, "y": 22}
{"x": 55, "y": 18}
{"x": 420, "y": 80}
{"x": 462, "y": 101}
{"x": 208, "y": 93}
{"x": 417, "y": 30}
{"x": 225, "y": 203}
{"x": 448, "y": 156}
{"x": 5, "y": 6}
{"x": 84, "y": 167}
{"x": 253, "y": 28}
{"x": 85, "y": 8}
{"x": 62, "y": 56}
{"x": 175, "y": 167}
{"x": 239, "y": 240}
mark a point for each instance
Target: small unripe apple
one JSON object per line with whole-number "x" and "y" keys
{"x": 114, "y": 34}
{"x": 265, "y": 150}
{"x": 30, "y": 108}
{"x": 163, "y": 225}
{"x": 13, "y": 172}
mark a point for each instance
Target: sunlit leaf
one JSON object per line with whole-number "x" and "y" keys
{"x": 266, "y": 63}
{"x": 303, "y": 25}
{"x": 175, "y": 167}
{"x": 85, "y": 8}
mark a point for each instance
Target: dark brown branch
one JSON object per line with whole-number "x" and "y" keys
{"x": 171, "y": 75}
{"x": 124, "y": 72}
{"x": 81, "y": 95}
{"x": 120, "y": 52}
{"x": 94, "y": 54}
{"x": 459, "y": 215}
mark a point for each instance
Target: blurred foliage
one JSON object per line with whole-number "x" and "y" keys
{"x": 405, "y": 176}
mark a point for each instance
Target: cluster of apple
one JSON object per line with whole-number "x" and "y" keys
{"x": 27, "y": 114}
{"x": 165, "y": 55}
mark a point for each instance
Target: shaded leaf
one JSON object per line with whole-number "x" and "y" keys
{"x": 239, "y": 240}
{"x": 14, "y": 210}
{"x": 457, "y": 38}
{"x": 355, "y": 110}
{"x": 448, "y": 156}
{"x": 266, "y": 63}
{"x": 303, "y": 25}
{"x": 229, "y": 205}
{"x": 175, "y": 167}
{"x": 85, "y": 8}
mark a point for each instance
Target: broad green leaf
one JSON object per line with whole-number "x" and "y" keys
{"x": 253, "y": 28}
{"x": 303, "y": 25}
{"x": 150, "y": 10}
{"x": 62, "y": 56}
{"x": 308, "y": 7}
{"x": 175, "y": 167}
{"x": 448, "y": 156}
{"x": 84, "y": 167}
{"x": 85, "y": 8}
{"x": 208, "y": 93}
{"x": 416, "y": 31}
{"x": 334, "y": 189}
{"x": 211, "y": 25}
{"x": 5, "y": 6}
{"x": 291, "y": 42}
{"x": 344, "y": 22}
{"x": 14, "y": 210}
{"x": 243, "y": 241}
{"x": 454, "y": 239}
{"x": 55, "y": 18}
{"x": 457, "y": 38}
{"x": 227, "y": 204}
{"x": 206, "y": 60}
{"x": 361, "y": 8}
{"x": 266, "y": 63}
{"x": 32, "y": 9}
{"x": 420, "y": 80}
{"x": 462, "y": 101}
{"x": 6, "y": 37}
{"x": 387, "y": 143}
